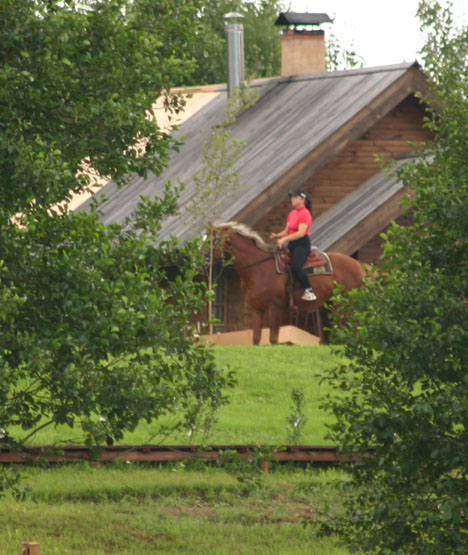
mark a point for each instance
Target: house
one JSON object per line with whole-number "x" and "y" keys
{"x": 316, "y": 130}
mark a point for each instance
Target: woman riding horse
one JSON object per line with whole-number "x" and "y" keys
{"x": 296, "y": 233}
{"x": 264, "y": 288}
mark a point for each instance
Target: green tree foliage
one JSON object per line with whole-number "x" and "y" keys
{"x": 404, "y": 390}
{"x": 297, "y": 419}
{"x": 262, "y": 41}
{"x": 75, "y": 85}
{"x": 93, "y": 333}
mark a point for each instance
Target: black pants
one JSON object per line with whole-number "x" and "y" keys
{"x": 300, "y": 249}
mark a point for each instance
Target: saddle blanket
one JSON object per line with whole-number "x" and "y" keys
{"x": 316, "y": 263}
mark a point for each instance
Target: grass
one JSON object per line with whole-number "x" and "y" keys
{"x": 193, "y": 508}
{"x": 259, "y": 404}
{"x": 137, "y": 510}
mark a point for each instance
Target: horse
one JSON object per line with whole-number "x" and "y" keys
{"x": 264, "y": 289}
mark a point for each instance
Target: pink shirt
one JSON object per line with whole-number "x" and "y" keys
{"x": 299, "y": 216}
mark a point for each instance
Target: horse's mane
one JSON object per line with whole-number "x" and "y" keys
{"x": 247, "y": 232}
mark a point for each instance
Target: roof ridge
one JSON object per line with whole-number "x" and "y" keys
{"x": 219, "y": 87}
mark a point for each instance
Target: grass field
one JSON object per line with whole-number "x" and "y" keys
{"x": 143, "y": 510}
{"x": 259, "y": 404}
{"x": 192, "y": 508}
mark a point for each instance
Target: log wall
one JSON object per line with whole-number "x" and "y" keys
{"x": 356, "y": 163}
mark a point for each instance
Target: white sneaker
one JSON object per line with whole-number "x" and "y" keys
{"x": 309, "y": 295}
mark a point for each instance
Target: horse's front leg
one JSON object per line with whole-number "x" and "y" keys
{"x": 275, "y": 321}
{"x": 257, "y": 326}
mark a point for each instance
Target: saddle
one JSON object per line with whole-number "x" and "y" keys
{"x": 316, "y": 263}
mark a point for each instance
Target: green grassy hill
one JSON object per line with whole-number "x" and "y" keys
{"x": 260, "y": 403}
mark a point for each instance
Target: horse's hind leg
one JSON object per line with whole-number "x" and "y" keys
{"x": 257, "y": 326}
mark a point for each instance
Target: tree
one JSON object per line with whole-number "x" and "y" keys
{"x": 262, "y": 42}
{"x": 76, "y": 82}
{"x": 217, "y": 182}
{"x": 339, "y": 58}
{"x": 93, "y": 333}
{"x": 403, "y": 392}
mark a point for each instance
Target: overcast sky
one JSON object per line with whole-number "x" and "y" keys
{"x": 381, "y": 31}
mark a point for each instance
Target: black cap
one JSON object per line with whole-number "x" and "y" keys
{"x": 299, "y": 193}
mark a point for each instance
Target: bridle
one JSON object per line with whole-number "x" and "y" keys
{"x": 271, "y": 255}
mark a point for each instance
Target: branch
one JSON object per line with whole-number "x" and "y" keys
{"x": 41, "y": 427}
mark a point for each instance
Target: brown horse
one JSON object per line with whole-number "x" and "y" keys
{"x": 265, "y": 289}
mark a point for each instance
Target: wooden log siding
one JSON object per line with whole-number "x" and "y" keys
{"x": 354, "y": 165}
{"x": 371, "y": 251}
{"x": 238, "y": 312}
{"x": 389, "y": 138}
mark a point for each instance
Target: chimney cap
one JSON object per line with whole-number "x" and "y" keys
{"x": 292, "y": 18}
{"x": 232, "y": 15}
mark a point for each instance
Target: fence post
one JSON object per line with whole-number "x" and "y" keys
{"x": 31, "y": 548}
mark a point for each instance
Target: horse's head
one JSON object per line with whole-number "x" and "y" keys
{"x": 233, "y": 239}
{"x": 217, "y": 239}
{"x": 224, "y": 241}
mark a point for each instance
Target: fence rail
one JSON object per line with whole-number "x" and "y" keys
{"x": 170, "y": 453}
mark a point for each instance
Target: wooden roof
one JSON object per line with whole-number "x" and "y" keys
{"x": 298, "y": 125}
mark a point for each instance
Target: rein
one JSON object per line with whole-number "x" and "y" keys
{"x": 257, "y": 262}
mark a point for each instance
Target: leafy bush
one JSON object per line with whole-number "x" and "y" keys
{"x": 405, "y": 392}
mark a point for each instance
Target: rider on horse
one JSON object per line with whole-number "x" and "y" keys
{"x": 296, "y": 233}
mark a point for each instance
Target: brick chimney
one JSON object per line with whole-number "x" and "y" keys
{"x": 302, "y": 50}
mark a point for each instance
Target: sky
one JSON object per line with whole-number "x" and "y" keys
{"x": 382, "y": 32}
